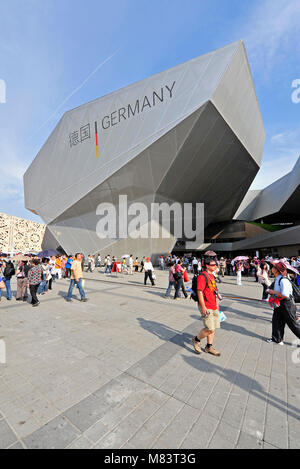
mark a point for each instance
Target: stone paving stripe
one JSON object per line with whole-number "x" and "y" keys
{"x": 7, "y": 436}
{"x": 57, "y": 434}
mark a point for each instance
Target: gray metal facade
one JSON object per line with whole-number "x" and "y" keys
{"x": 193, "y": 133}
{"x": 279, "y": 202}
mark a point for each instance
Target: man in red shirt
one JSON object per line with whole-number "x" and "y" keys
{"x": 208, "y": 307}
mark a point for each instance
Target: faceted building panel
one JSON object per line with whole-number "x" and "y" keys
{"x": 277, "y": 203}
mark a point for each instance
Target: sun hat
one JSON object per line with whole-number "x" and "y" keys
{"x": 280, "y": 266}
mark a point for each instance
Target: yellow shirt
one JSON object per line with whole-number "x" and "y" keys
{"x": 76, "y": 270}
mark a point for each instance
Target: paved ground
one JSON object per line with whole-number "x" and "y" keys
{"x": 120, "y": 372}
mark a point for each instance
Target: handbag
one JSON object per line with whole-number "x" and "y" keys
{"x": 2, "y": 284}
{"x": 185, "y": 277}
{"x": 177, "y": 275}
{"x": 223, "y": 317}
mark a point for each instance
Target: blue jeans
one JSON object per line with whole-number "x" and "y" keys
{"x": 8, "y": 288}
{"x": 168, "y": 291}
{"x": 79, "y": 285}
{"x": 107, "y": 267}
{"x": 43, "y": 288}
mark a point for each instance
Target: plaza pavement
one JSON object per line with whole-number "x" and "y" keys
{"x": 120, "y": 371}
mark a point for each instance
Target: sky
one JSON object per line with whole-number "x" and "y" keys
{"x": 58, "y": 54}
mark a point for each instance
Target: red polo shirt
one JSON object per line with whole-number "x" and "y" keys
{"x": 208, "y": 288}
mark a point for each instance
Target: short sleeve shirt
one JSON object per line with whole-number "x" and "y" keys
{"x": 76, "y": 270}
{"x": 284, "y": 286}
{"x": 208, "y": 288}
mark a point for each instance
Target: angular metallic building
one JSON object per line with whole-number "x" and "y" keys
{"x": 267, "y": 221}
{"x": 193, "y": 133}
{"x": 277, "y": 203}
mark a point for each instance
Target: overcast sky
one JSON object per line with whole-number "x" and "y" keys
{"x": 56, "y": 55}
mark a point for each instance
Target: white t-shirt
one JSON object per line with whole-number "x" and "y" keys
{"x": 284, "y": 286}
{"x": 148, "y": 266}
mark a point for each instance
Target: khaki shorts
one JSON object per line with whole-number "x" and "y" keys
{"x": 212, "y": 321}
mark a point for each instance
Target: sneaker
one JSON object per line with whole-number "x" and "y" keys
{"x": 212, "y": 351}
{"x": 197, "y": 346}
{"x": 84, "y": 300}
{"x": 270, "y": 341}
{"x": 68, "y": 300}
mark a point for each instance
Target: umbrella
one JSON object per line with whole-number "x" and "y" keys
{"x": 48, "y": 253}
{"x": 210, "y": 253}
{"x": 125, "y": 256}
{"x": 241, "y": 258}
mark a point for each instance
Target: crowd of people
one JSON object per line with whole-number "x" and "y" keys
{"x": 280, "y": 279}
{"x": 35, "y": 276}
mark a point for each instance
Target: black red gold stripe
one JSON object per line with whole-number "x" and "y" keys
{"x": 96, "y": 138}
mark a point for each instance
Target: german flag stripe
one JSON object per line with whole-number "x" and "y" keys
{"x": 96, "y": 138}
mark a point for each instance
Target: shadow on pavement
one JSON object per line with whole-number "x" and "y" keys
{"x": 244, "y": 382}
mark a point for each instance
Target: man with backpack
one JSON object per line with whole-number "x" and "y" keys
{"x": 208, "y": 307}
{"x": 284, "y": 294}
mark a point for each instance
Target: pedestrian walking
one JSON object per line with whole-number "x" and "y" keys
{"x": 238, "y": 269}
{"x": 148, "y": 268}
{"x": 68, "y": 266}
{"x": 171, "y": 280}
{"x": 179, "y": 283}
{"x": 208, "y": 307}
{"x": 107, "y": 264}
{"x": 35, "y": 276}
{"x": 263, "y": 279}
{"x": 7, "y": 272}
{"x": 22, "y": 280}
{"x": 43, "y": 288}
{"x": 222, "y": 266}
{"x": 58, "y": 267}
{"x": 284, "y": 304}
{"x": 130, "y": 265}
{"x": 76, "y": 278}
{"x": 98, "y": 260}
